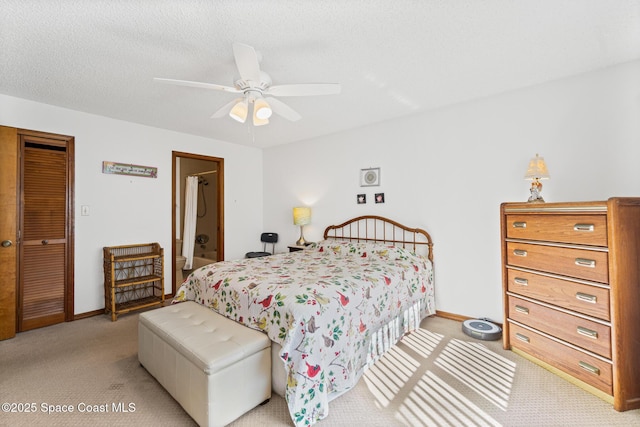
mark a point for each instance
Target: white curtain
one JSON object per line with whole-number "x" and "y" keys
{"x": 190, "y": 218}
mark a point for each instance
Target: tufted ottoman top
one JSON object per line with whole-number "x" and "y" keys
{"x": 208, "y": 339}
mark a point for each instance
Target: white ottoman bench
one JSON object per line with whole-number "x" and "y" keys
{"x": 215, "y": 368}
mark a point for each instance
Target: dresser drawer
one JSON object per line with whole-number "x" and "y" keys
{"x": 576, "y": 229}
{"x": 584, "y": 333}
{"x": 580, "y": 263}
{"x": 585, "y": 299}
{"x": 589, "y": 369}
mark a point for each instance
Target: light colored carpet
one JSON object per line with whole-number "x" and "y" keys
{"x": 436, "y": 377}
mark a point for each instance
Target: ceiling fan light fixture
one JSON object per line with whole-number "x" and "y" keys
{"x": 257, "y": 121}
{"x": 262, "y": 109}
{"x": 239, "y": 111}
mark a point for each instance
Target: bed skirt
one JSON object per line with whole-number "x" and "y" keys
{"x": 381, "y": 341}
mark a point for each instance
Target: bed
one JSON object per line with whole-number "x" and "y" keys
{"x": 331, "y": 310}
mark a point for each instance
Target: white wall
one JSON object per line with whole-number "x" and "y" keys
{"x": 448, "y": 171}
{"x": 129, "y": 210}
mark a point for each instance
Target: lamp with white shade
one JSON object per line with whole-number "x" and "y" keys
{"x": 301, "y": 217}
{"x": 536, "y": 171}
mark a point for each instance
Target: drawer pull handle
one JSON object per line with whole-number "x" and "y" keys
{"x": 583, "y": 262}
{"x": 584, "y": 227}
{"x": 521, "y": 337}
{"x": 519, "y": 252}
{"x": 589, "y": 368}
{"x": 520, "y": 281}
{"x": 586, "y": 297}
{"x": 521, "y": 309}
{"x": 519, "y": 224}
{"x": 588, "y": 332}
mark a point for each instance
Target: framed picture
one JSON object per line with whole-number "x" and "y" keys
{"x": 379, "y": 197}
{"x": 362, "y": 199}
{"x": 369, "y": 177}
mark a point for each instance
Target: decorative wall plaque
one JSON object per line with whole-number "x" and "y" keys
{"x": 129, "y": 169}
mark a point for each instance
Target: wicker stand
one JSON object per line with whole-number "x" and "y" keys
{"x": 133, "y": 277}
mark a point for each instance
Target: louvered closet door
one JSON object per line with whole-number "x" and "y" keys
{"x": 43, "y": 263}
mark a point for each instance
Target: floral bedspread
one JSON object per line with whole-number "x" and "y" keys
{"x": 322, "y": 305}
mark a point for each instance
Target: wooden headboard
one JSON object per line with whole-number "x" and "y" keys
{"x": 371, "y": 228}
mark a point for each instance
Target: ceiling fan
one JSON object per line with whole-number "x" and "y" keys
{"x": 257, "y": 91}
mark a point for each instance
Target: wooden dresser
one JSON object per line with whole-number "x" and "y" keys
{"x": 571, "y": 282}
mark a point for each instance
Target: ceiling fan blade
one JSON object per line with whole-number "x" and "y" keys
{"x": 305, "y": 89}
{"x": 197, "y": 84}
{"x": 247, "y": 62}
{"x": 282, "y": 109}
{"x": 225, "y": 109}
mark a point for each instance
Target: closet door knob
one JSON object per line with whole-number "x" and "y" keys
{"x": 6, "y": 243}
{"x": 45, "y": 242}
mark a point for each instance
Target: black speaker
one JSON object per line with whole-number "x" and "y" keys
{"x": 269, "y": 237}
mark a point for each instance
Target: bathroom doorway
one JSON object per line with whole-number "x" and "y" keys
{"x": 209, "y": 227}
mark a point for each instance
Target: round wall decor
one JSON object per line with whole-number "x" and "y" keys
{"x": 369, "y": 177}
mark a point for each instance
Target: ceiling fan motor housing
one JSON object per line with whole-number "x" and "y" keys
{"x": 250, "y": 85}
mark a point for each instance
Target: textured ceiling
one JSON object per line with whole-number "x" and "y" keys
{"x": 393, "y": 58}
